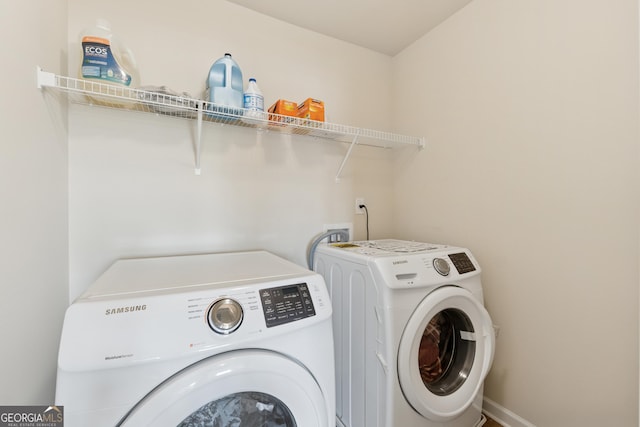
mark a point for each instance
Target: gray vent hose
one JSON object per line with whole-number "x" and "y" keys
{"x": 312, "y": 248}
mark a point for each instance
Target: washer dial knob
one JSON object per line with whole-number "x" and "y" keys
{"x": 225, "y": 316}
{"x": 441, "y": 266}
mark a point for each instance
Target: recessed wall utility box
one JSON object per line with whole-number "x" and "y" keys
{"x": 345, "y": 226}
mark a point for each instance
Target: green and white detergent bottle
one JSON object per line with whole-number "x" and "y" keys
{"x": 105, "y": 60}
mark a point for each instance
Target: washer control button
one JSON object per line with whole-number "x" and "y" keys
{"x": 225, "y": 316}
{"x": 441, "y": 266}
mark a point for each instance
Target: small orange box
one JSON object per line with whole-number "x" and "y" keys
{"x": 284, "y": 108}
{"x": 312, "y": 109}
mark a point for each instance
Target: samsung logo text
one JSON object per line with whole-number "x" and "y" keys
{"x": 126, "y": 309}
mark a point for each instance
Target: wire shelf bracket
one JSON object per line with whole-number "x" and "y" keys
{"x": 346, "y": 156}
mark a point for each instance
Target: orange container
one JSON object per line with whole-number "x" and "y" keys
{"x": 312, "y": 109}
{"x": 284, "y": 108}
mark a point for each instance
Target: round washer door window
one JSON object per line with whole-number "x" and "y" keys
{"x": 247, "y": 408}
{"x": 445, "y": 353}
{"x": 251, "y": 388}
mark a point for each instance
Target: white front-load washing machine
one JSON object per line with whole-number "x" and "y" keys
{"x": 223, "y": 339}
{"x": 413, "y": 339}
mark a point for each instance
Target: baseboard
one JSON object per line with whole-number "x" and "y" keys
{"x": 503, "y": 415}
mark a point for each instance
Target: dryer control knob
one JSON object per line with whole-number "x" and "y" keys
{"x": 441, "y": 266}
{"x": 225, "y": 316}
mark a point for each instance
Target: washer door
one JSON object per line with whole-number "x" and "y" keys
{"x": 247, "y": 387}
{"x": 445, "y": 353}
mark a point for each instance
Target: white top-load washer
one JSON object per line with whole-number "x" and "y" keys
{"x": 413, "y": 340}
{"x": 212, "y": 339}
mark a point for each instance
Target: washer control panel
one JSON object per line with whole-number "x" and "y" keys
{"x": 286, "y": 304}
{"x": 462, "y": 263}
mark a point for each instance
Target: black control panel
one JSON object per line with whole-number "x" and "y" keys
{"x": 462, "y": 263}
{"x": 286, "y": 304}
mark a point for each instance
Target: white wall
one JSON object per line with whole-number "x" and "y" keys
{"x": 531, "y": 115}
{"x": 132, "y": 188}
{"x": 33, "y": 185}
{"x": 530, "y": 109}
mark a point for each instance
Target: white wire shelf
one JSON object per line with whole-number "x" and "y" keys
{"x": 87, "y": 92}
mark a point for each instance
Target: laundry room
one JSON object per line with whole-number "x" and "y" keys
{"x": 529, "y": 112}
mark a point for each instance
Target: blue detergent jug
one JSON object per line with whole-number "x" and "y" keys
{"x": 225, "y": 83}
